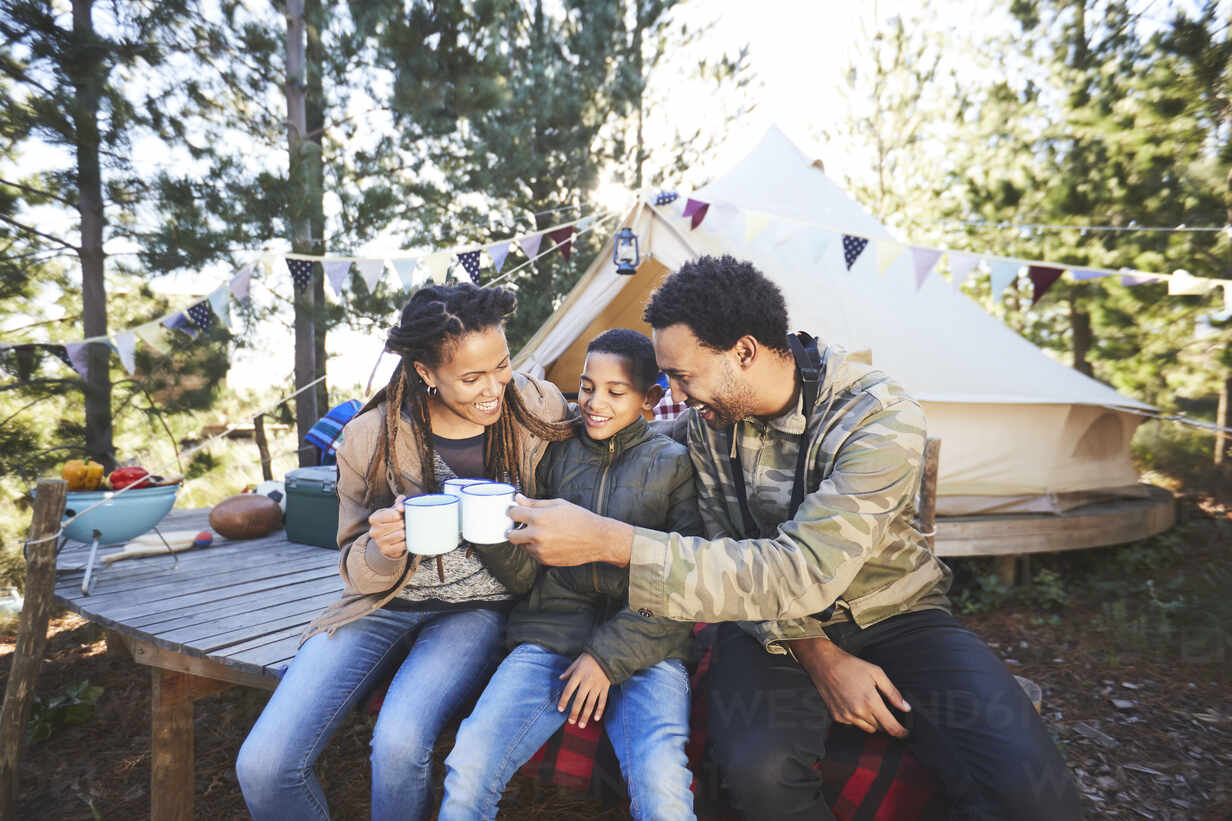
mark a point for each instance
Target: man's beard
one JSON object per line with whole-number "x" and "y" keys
{"x": 732, "y": 402}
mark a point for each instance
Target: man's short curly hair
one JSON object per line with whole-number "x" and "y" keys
{"x": 721, "y": 299}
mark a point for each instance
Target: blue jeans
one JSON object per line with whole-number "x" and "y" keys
{"x": 647, "y": 720}
{"x": 451, "y": 654}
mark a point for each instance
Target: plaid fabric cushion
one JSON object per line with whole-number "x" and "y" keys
{"x": 865, "y": 776}
{"x": 667, "y": 409}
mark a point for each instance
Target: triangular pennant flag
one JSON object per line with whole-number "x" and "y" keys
{"x": 301, "y": 272}
{"x": 470, "y": 264}
{"x": 78, "y": 357}
{"x": 665, "y": 197}
{"x": 336, "y": 272}
{"x": 1137, "y": 278}
{"x": 1080, "y": 274}
{"x": 241, "y": 284}
{"x": 961, "y": 266}
{"x": 151, "y": 334}
{"x": 406, "y": 271}
{"x": 371, "y": 271}
{"x": 887, "y": 252}
{"x": 1183, "y": 283}
{"x": 61, "y": 352}
{"x": 220, "y": 303}
{"x": 437, "y": 266}
{"x": 754, "y": 223}
{"x": 852, "y": 248}
{"x": 697, "y": 210}
{"x": 180, "y": 322}
{"x": 925, "y": 260}
{"x": 1042, "y": 277}
{"x": 125, "y": 345}
{"x": 562, "y": 237}
{"x": 201, "y": 314}
{"x": 498, "y": 251}
{"x": 530, "y": 245}
{"x": 1001, "y": 272}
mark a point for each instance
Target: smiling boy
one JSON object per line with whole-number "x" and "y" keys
{"x": 574, "y": 637}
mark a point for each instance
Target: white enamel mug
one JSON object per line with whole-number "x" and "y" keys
{"x": 485, "y": 512}
{"x": 431, "y": 523}
{"x": 454, "y": 488}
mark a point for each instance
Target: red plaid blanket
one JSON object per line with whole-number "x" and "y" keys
{"x": 866, "y": 777}
{"x": 873, "y": 777}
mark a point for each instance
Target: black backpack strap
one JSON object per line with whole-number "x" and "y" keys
{"x": 808, "y": 364}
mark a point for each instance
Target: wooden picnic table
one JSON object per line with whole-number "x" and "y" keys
{"x": 203, "y": 621}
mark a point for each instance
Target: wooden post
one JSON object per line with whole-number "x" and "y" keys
{"x": 1005, "y": 569}
{"x": 171, "y": 768}
{"x": 258, "y": 433}
{"x": 31, "y": 634}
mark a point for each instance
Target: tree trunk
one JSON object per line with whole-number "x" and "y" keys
{"x": 1223, "y": 418}
{"x": 314, "y": 18}
{"x": 87, "y": 87}
{"x": 640, "y": 157}
{"x": 1080, "y": 322}
{"x": 306, "y": 410}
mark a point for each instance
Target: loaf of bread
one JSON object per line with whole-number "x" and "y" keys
{"x": 246, "y": 516}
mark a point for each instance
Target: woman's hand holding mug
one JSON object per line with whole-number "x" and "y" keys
{"x": 387, "y": 530}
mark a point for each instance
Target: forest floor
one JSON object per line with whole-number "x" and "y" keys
{"x": 1132, "y": 647}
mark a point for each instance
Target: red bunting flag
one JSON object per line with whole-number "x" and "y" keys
{"x": 697, "y": 210}
{"x": 562, "y": 238}
{"x": 1042, "y": 277}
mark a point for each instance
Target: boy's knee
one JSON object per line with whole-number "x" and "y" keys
{"x": 400, "y": 751}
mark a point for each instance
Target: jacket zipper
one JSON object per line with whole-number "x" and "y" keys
{"x": 601, "y": 500}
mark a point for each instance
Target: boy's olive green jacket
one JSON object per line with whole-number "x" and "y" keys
{"x": 636, "y": 476}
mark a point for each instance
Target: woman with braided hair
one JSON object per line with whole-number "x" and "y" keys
{"x": 452, "y": 408}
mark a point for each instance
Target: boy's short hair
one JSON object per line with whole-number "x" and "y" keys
{"x": 721, "y": 299}
{"x": 638, "y": 351}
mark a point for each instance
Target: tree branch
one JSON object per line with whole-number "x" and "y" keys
{"x": 36, "y": 232}
{"x": 38, "y": 193}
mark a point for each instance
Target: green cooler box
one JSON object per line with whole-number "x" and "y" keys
{"x": 312, "y": 505}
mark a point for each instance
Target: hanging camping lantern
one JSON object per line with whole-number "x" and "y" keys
{"x": 625, "y": 252}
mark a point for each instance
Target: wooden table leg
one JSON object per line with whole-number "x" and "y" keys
{"x": 171, "y": 771}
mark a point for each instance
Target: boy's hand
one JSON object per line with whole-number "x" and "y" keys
{"x": 588, "y": 684}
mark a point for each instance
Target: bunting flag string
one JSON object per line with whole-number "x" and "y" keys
{"x": 1002, "y": 270}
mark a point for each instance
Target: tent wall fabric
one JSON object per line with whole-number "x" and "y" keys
{"x": 1021, "y": 432}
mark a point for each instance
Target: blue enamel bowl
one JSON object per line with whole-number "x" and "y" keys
{"x": 120, "y": 517}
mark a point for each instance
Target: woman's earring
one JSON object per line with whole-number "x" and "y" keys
{"x": 432, "y": 391}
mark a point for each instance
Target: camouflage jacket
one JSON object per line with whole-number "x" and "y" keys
{"x": 852, "y": 543}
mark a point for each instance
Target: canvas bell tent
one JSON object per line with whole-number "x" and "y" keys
{"x": 1021, "y": 433}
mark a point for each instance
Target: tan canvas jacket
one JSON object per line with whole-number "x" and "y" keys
{"x": 370, "y": 578}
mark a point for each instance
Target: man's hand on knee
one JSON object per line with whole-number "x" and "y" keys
{"x": 851, "y": 687}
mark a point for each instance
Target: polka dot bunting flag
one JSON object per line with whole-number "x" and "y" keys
{"x": 664, "y": 197}
{"x": 301, "y": 272}
{"x": 470, "y": 263}
{"x": 852, "y": 248}
{"x": 201, "y": 314}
